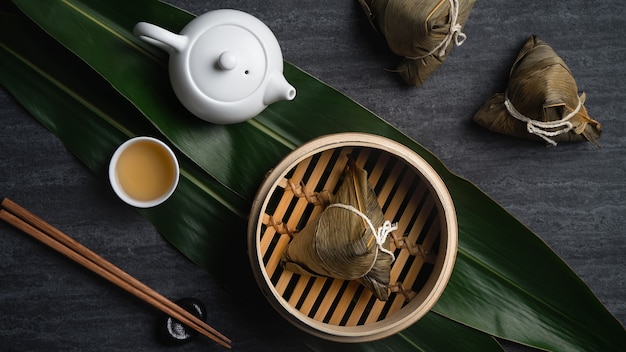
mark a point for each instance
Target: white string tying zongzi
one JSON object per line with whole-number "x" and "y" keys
{"x": 540, "y": 128}
{"x": 454, "y": 33}
{"x": 380, "y": 235}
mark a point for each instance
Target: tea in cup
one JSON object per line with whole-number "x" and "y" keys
{"x": 144, "y": 172}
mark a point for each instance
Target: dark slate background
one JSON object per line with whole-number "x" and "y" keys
{"x": 572, "y": 196}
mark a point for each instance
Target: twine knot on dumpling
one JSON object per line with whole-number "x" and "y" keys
{"x": 543, "y": 129}
{"x": 380, "y": 235}
{"x": 455, "y": 33}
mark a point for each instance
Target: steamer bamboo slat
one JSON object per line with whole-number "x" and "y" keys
{"x": 409, "y": 192}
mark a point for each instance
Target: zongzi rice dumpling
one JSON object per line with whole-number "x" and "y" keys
{"x": 348, "y": 240}
{"x": 421, "y": 31}
{"x": 541, "y": 100}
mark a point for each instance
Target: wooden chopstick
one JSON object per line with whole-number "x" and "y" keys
{"x": 32, "y": 225}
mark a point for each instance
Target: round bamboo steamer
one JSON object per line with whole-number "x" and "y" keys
{"x": 410, "y": 193}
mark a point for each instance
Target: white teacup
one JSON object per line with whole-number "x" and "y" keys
{"x": 144, "y": 172}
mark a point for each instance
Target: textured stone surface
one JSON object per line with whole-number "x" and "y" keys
{"x": 572, "y": 196}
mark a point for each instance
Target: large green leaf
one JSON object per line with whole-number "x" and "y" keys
{"x": 495, "y": 287}
{"x": 95, "y": 121}
{"x": 500, "y": 259}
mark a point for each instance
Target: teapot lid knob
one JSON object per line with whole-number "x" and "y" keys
{"x": 227, "y": 60}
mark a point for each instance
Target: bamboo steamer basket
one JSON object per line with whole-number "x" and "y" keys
{"x": 410, "y": 193}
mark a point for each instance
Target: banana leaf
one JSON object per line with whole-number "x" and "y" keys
{"x": 495, "y": 286}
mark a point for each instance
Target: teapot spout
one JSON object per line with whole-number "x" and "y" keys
{"x": 278, "y": 89}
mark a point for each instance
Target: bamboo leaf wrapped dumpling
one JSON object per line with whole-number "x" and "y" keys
{"x": 421, "y": 31}
{"x": 541, "y": 100}
{"x": 348, "y": 240}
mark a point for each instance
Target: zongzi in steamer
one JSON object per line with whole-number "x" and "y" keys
{"x": 348, "y": 240}
{"x": 421, "y": 31}
{"x": 541, "y": 100}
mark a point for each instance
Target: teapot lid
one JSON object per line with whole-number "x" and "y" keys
{"x": 227, "y": 62}
{"x": 229, "y": 54}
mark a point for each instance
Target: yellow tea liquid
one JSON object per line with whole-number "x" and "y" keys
{"x": 145, "y": 171}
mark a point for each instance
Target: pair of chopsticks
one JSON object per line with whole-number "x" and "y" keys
{"x": 32, "y": 225}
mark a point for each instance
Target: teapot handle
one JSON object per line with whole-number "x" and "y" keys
{"x": 160, "y": 37}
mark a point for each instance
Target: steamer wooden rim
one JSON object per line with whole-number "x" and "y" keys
{"x": 316, "y": 305}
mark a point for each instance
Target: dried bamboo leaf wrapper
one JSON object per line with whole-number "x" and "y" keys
{"x": 421, "y": 31}
{"x": 340, "y": 243}
{"x": 541, "y": 100}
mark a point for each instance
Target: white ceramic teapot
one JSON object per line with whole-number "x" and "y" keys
{"x": 225, "y": 66}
